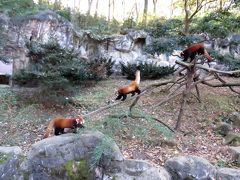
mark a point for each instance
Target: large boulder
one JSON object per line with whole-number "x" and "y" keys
{"x": 235, "y": 154}
{"x": 11, "y": 159}
{"x": 87, "y": 155}
{"x": 139, "y": 170}
{"x": 228, "y": 174}
{"x": 71, "y": 156}
{"x": 234, "y": 117}
{"x": 190, "y": 167}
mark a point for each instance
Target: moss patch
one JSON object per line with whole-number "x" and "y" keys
{"x": 221, "y": 102}
{"x": 3, "y": 158}
{"x": 77, "y": 170}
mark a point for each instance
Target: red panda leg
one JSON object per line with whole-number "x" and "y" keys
{"x": 133, "y": 93}
{"x": 58, "y": 131}
{"x": 124, "y": 97}
{"x": 119, "y": 97}
{"x": 138, "y": 91}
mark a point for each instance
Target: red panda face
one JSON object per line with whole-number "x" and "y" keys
{"x": 80, "y": 120}
{"x": 182, "y": 54}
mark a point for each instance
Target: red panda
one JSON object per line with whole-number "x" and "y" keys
{"x": 59, "y": 123}
{"x": 193, "y": 50}
{"x": 132, "y": 88}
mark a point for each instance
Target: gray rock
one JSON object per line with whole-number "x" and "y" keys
{"x": 55, "y": 157}
{"x": 228, "y": 174}
{"x": 11, "y": 150}
{"x": 139, "y": 170}
{"x": 190, "y": 167}
{"x": 10, "y": 166}
{"x": 235, "y": 154}
{"x": 235, "y": 118}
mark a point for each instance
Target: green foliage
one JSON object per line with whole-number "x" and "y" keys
{"x": 129, "y": 23}
{"x": 18, "y": 7}
{"x": 161, "y": 27}
{"x": 228, "y": 60}
{"x": 96, "y": 24}
{"x": 106, "y": 63}
{"x": 3, "y": 158}
{"x": 218, "y": 24}
{"x": 162, "y": 45}
{"x": 65, "y": 12}
{"x": 221, "y": 163}
{"x": 167, "y": 36}
{"x": 77, "y": 170}
{"x": 102, "y": 148}
{"x": 141, "y": 127}
{"x": 55, "y": 68}
{"x": 148, "y": 70}
{"x": 8, "y": 102}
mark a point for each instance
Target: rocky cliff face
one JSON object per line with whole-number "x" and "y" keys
{"x": 47, "y": 25}
{"x": 124, "y": 47}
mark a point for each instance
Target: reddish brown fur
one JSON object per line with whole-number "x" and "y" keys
{"x": 195, "y": 49}
{"x": 133, "y": 88}
{"x": 60, "y": 123}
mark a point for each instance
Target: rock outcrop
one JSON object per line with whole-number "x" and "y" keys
{"x": 88, "y": 155}
{"x": 190, "y": 167}
{"x": 91, "y": 155}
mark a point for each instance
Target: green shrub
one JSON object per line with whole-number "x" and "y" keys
{"x": 55, "y": 68}
{"x": 218, "y": 24}
{"x": 170, "y": 43}
{"x": 161, "y": 27}
{"x": 148, "y": 70}
{"x": 18, "y": 7}
{"x": 228, "y": 60}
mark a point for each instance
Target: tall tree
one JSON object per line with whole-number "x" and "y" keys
{"x": 191, "y": 8}
{"x": 89, "y": 6}
{"x": 136, "y": 9}
{"x": 109, "y": 10}
{"x": 96, "y": 10}
{"x": 154, "y": 7}
{"x": 145, "y": 11}
{"x": 113, "y": 8}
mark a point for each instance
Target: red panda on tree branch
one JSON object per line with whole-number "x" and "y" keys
{"x": 132, "y": 88}
{"x": 193, "y": 50}
{"x": 59, "y": 123}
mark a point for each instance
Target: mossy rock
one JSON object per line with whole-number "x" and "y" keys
{"x": 76, "y": 170}
{"x": 3, "y": 158}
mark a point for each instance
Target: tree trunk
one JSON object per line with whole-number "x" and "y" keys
{"x": 154, "y": 7}
{"x": 96, "y": 10}
{"x": 145, "y": 11}
{"x": 113, "y": 9}
{"x": 220, "y": 5}
{"x": 89, "y": 6}
{"x": 109, "y": 10}
{"x": 186, "y": 26}
{"x": 186, "y": 19}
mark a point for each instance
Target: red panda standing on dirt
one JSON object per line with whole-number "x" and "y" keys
{"x": 59, "y": 123}
{"x": 132, "y": 88}
{"x": 193, "y": 50}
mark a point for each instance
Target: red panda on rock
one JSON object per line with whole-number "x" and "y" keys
{"x": 132, "y": 88}
{"x": 193, "y": 50}
{"x": 59, "y": 123}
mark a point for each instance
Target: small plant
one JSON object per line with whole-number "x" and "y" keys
{"x": 102, "y": 66}
{"x": 103, "y": 148}
{"x": 228, "y": 60}
{"x": 148, "y": 70}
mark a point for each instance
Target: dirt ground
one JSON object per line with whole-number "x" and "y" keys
{"x": 138, "y": 138}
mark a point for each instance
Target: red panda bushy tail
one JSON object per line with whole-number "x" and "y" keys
{"x": 137, "y": 77}
{"x": 206, "y": 55}
{"x": 49, "y": 128}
